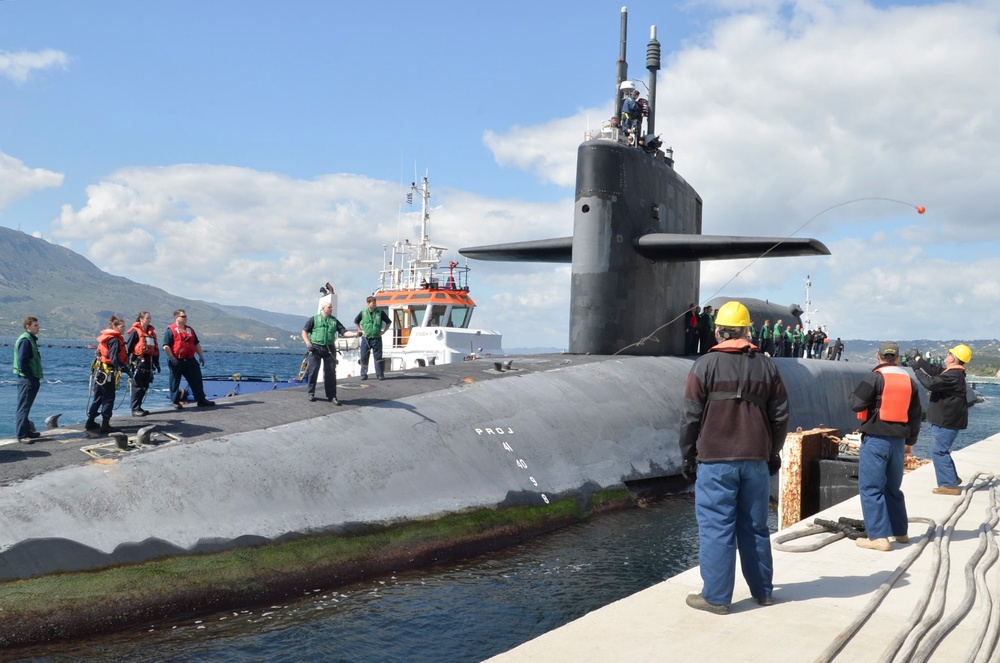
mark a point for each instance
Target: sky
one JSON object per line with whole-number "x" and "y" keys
{"x": 246, "y": 152}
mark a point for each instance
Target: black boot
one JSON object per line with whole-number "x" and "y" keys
{"x": 91, "y": 424}
{"x": 106, "y": 427}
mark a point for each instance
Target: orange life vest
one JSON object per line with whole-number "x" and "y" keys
{"x": 142, "y": 345}
{"x": 102, "y": 347}
{"x": 896, "y": 393}
{"x": 184, "y": 343}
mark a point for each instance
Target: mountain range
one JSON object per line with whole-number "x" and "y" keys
{"x": 73, "y": 299}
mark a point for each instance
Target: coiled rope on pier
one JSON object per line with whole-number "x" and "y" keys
{"x": 985, "y": 639}
{"x": 851, "y": 630}
{"x": 973, "y": 567}
{"x": 918, "y": 638}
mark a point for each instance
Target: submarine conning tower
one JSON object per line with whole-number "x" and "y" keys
{"x": 637, "y": 244}
{"x": 623, "y": 193}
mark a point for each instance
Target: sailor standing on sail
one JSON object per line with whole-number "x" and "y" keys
{"x": 319, "y": 334}
{"x": 370, "y": 325}
{"x": 632, "y": 113}
{"x": 733, "y": 425}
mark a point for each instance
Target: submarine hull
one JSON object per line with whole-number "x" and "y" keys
{"x": 455, "y": 438}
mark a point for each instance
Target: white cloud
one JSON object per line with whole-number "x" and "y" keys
{"x": 530, "y": 308}
{"x": 239, "y": 236}
{"x": 232, "y": 234}
{"x": 547, "y": 150}
{"x": 19, "y": 65}
{"x": 857, "y": 102}
{"x": 18, "y": 181}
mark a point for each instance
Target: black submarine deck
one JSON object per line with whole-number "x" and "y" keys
{"x": 61, "y": 447}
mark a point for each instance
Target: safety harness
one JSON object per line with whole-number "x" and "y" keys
{"x": 740, "y": 394}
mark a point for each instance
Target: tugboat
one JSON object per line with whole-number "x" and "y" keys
{"x": 430, "y": 308}
{"x": 429, "y": 305}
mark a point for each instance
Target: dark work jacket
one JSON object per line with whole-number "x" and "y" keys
{"x": 733, "y": 428}
{"x": 948, "y": 407}
{"x": 867, "y": 396}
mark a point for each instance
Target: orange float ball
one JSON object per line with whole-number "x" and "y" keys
{"x": 921, "y": 209}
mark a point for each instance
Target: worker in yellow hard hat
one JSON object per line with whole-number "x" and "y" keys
{"x": 947, "y": 411}
{"x": 733, "y": 423}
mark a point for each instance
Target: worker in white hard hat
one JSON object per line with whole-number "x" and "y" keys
{"x": 632, "y": 113}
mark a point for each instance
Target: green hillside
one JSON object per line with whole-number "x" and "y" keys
{"x": 985, "y": 352}
{"x": 73, "y": 299}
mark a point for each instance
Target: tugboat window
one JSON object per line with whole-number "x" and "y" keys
{"x": 459, "y": 316}
{"x": 437, "y": 312}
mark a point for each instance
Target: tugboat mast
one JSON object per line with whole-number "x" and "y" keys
{"x": 425, "y": 195}
{"x": 416, "y": 266}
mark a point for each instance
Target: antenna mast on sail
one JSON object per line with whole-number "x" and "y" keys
{"x": 809, "y": 309}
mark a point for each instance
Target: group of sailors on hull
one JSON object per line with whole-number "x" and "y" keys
{"x": 780, "y": 340}
{"x": 776, "y": 340}
{"x": 134, "y": 352}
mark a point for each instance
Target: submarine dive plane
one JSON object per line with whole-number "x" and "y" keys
{"x": 268, "y": 495}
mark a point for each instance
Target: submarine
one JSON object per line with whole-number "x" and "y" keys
{"x": 268, "y": 495}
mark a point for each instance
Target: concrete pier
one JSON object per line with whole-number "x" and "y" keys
{"x": 819, "y": 594}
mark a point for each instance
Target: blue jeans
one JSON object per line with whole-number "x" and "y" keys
{"x": 731, "y": 502}
{"x": 372, "y": 346}
{"x": 103, "y": 398}
{"x": 27, "y": 389}
{"x": 690, "y": 340}
{"x": 190, "y": 371}
{"x": 880, "y": 475}
{"x": 944, "y": 466}
{"x": 327, "y": 363}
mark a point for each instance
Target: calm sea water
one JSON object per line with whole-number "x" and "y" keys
{"x": 462, "y": 611}
{"x": 65, "y": 387}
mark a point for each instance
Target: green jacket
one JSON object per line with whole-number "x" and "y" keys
{"x": 324, "y": 331}
{"x": 371, "y": 322}
{"x": 34, "y": 363}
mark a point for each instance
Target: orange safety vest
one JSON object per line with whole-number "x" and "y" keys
{"x": 142, "y": 346}
{"x": 895, "y": 398}
{"x": 183, "y": 345}
{"x": 102, "y": 347}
